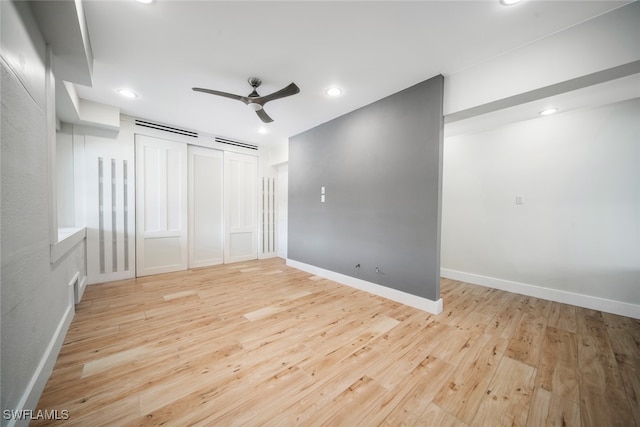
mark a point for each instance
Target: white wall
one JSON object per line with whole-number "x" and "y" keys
{"x": 65, "y": 179}
{"x": 282, "y": 211}
{"x": 577, "y": 235}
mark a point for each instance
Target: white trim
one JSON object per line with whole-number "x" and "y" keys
{"x": 424, "y": 304}
{"x": 68, "y": 238}
{"x": 98, "y": 278}
{"x": 580, "y": 300}
{"x": 31, "y": 395}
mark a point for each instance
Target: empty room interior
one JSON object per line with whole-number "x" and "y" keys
{"x": 419, "y": 213}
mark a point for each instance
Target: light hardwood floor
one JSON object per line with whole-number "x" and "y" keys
{"x": 263, "y": 344}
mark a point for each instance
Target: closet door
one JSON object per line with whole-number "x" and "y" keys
{"x": 206, "y": 232}
{"x": 241, "y": 207}
{"x": 161, "y": 206}
{"x": 109, "y": 193}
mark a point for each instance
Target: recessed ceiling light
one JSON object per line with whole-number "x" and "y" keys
{"x": 334, "y": 91}
{"x": 127, "y": 93}
{"x": 509, "y": 2}
{"x": 549, "y": 111}
{"x": 145, "y": 1}
{"x": 263, "y": 130}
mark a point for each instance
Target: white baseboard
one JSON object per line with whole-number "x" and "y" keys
{"x": 32, "y": 394}
{"x": 586, "y": 301}
{"x": 424, "y": 304}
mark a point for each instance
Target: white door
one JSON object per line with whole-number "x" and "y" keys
{"x": 161, "y": 206}
{"x": 109, "y": 195}
{"x": 241, "y": 207}
{"x": 206, "y": 233}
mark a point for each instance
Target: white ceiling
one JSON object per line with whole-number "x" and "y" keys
{"x": 371, "y": 49}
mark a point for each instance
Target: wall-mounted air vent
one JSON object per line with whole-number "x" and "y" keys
{"x": 236, "y": 143}
{"x": 166, "y": 128}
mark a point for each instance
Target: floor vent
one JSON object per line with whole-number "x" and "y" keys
{"x": 166, "y": 128}
{"x": 236, "y": 143}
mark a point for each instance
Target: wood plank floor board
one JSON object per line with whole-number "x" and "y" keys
{"x": 450, "y": 343}
{"x": 507, "y": 399}
{"x": 563, "y": 316}
{"x": 347, "y": 330}
{"x": 602, "y": 393}
{"x": 254, "y": 410}
{"x": 400, "y": 311}
{"x": 403, "y": 405}
{"x": 116, "y": 413}
{"x": 97, "y": 400}
{"x": 390, "y": 375}
{"x": 236, "y": 371}
{"x": 460, "y": 307}
{"x": 133, "y": 378}
{"x": 558, "y": 369}
{"x": 464, "y": 391}
{"x": 507, "y": 319}
{"x": 547, "y": 409}
{"x": 624, "y": 335}
{"x": 223, "y": 390}
{"x": 434, "y": 416}
{"x": 80, "y": 333}
{"x": 410, "y": 330}
{"x": 491, "y": 302}
{"x": 348, "y": 341}
{"x": 475, "y": 323}
{"x": 526, "y": 343}
{"x": 259, "y": 343}
{"x": 326, "y": 388}
{"x": 353, "y": 404}
{"x": 631, "y": 381}
{"x": 149, "y": 334}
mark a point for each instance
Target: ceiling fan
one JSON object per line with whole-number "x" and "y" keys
{"x": 254, "y": 100}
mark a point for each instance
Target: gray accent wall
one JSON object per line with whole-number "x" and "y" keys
{"x": 381, "y": 167}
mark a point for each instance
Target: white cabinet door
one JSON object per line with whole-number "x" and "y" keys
{"x": 161, "y": 206}
{"x": 206, "y": 233}
{"x": 241, "y": 207}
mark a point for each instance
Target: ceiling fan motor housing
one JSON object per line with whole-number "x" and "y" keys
{"x": 255, "y": 82}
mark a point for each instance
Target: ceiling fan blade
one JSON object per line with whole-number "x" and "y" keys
{"x": 217, "y": 92}
{"x": 292, "y": 89}
{"x": 264, "y": 116}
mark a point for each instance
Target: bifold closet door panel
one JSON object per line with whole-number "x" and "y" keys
{"x": 109, "y": 195}
{"x": 206, "y": 213}
{"x": 161, "y": 206}
{"x": 241, "y": 207}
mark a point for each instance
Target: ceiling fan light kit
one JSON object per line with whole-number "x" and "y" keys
{"x": 254, "y": 100}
